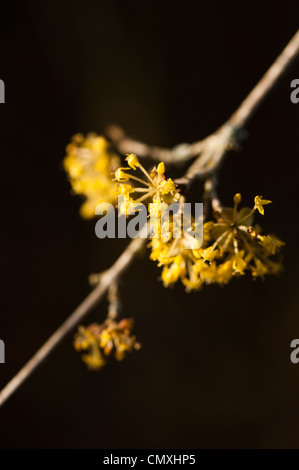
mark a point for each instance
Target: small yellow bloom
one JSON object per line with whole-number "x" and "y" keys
{"x": 224, "y": 272}
{"x": 120, "y": 175}
{"x": 260, "y": 202}
{"x": 124, "y": 189}
{"x": 94, "y": 361}
{"x": 167, "y": 186}
{"x": 259, "y": 270}
{"x": 209, "y": 253}
{"x": 271, "y": 244}
{"x": 133, "y": 161}
{"x": 172, "y": 273}
{"x": 239, "y": 265}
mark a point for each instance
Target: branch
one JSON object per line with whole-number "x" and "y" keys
{"x": 95, "y": 296}
{"x": 211, "y": 150}
{"x": 266, "y": 83}
{"x": 211, "y": 193}
{"x": 209, "y": 160}
{"x": 125, "y": 144}
{"x": 114, "y": 302}
{"x": 217, "y": 145}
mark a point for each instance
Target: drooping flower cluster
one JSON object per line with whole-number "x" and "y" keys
{"x": 155, "y": 187}
{"x": 231, "y": 245}
{"x": 99, "y": 341}
{"x": 89, "y": 164}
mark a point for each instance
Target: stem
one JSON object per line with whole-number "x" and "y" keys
{"x": 147, "y": 175}
{"x": 210, "y": 193}
{"x": 114, "y": 303}
{"x": 217, "y": 145}
{"x": 212, "y": 149}
{"x": 135, "y": 178}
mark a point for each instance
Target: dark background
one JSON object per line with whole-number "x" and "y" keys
{"x": 215, "y": 367}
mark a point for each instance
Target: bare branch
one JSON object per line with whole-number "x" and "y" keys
{"x": 266, "y": 83}
{"x": 95, "y": 296}
{"x": 114, "y": 303}
{"x": 211, "y": 193}
{"x": 211, "y": 150}
{"x": 125, "y": 144}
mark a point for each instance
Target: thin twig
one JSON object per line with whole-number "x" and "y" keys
{"x": 264, "y": 86}
{"x": 95, "y": 296}
{"x": 212, "y": 151}
{"x": 125, "y": 144}
{"x": 113, "y": 299}
{"x": 211, "y": 193}
{"x": 217, "y": 145}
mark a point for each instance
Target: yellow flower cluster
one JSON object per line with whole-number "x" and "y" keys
{"x": 230, "y": 247}
{"x": 155, "y": 186}
{"x": 101, "y": 340}
{"x": 89, "y": 164}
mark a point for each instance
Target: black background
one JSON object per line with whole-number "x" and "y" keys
{"x": 215, "y": 367}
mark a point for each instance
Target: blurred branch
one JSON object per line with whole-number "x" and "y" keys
{"x": 125, "y": 144}
{"x": 226, "y": 138}
{"x": 211, "y": 152}
{"x": 114, "y": 302}
{"x": 209, "y": 160}
{"x": 211, "y": 194}
{"x": 96, "y": 295}
{"x": 267, "y": 82}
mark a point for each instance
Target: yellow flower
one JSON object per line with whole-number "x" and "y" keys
{"x": 209, "y": 253}
{"x": 154, "y": 187}
{"x": 121, "y": 176}
{"x": 124, "y": 189}
{"x": 89, "y": 164}
{"x": 259, "y": 269}
{"x": 176, "y": 270}
{"x": 259, "y": 203}
{"x": 239, "y": 265}
{"x": 167, "y": 186}
{"x": 133, "y": 161}
{"x": 94, "y": 360}
{"x": 271, "y": 244}
{"x": 224, "y": 272}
